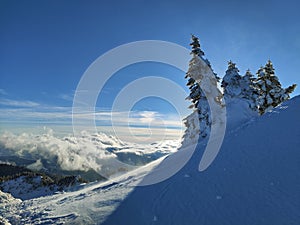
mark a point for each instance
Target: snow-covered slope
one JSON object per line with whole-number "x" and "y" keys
{"x": 255, "y": 179}
{"x": 27, "y": 187}
{"x": 238, "y": 113}
{"x": 91, "y": 204}
{"x": 7, "y": 204}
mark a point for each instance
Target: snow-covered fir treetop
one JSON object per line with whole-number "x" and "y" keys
{"x": 260, "y": 72}
{"x": 196, "y": 46}
{"x": 248, "y": 76}
{"x": 198, "y": 65}
{"x": 232, "y": 81}
{"x": 197, "y": 93}
{"x": 271, "y": 93}
{"x": 202, "y": 74}
{"x": 232, "y": 74}
{"x": 269, "y": 68}
{"x": 249, "y": 90}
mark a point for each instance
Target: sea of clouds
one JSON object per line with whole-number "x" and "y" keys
{"x": 103, "y": 153}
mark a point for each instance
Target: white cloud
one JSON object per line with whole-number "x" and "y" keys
{"x": 139, "y": 127}
{"x": 66, "y": 97}
{"x": 147, "y": 116}
{"x": 15, "y": 103}
{"x": 48, "y": 114}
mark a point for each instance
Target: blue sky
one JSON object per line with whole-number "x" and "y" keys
{"x": 46, "y": 46}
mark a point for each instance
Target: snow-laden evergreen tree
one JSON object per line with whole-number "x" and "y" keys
{"x": 231, "y": 82}
{"x": 196, "y": 50}
{"x": 196, "y": 93}
{"x": 195, "y": 90}
{"x": 239, "y": 95}
{"x": 240, "y": 87}
{"x": 271, "y": 93}
{"x": 196, "y": 96}
{"x": 249, "y": 89}
{"x": 199, "y": 122}
{"x": 290, "y": 89}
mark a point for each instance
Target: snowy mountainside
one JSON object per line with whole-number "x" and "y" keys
{"x": 254, "y": 179}
{"x": 26, "y": 184}
{"x": 7, "y": 203}
{"x": 90, "y": 204}
{"x": 238, "y": 112}
{"x": 33, "y": 185}
{"x": 27, "y": 187}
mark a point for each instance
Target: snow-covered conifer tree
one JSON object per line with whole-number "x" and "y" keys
{"x": 197, "y": 97}
{"x": 290, "y": 89}
{"x": 239, "y": 95}
{"x": 249, "y": 89}
{"x": 231, "y": 82}
{"x": 271, "y": 92}
{"x": 195, "y": 90}
{"x": 199, "y": 122}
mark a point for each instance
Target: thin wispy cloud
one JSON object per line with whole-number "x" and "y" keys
{"x": 34, "y": 112}
{"x": 2, "y": 92}
{"x": 66, "y": 97}
{"x": 147, "y": 116}
{"x": 15, "y": 103}
{"x": 137, "y": 126}
{"x": 134, "y": 118}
